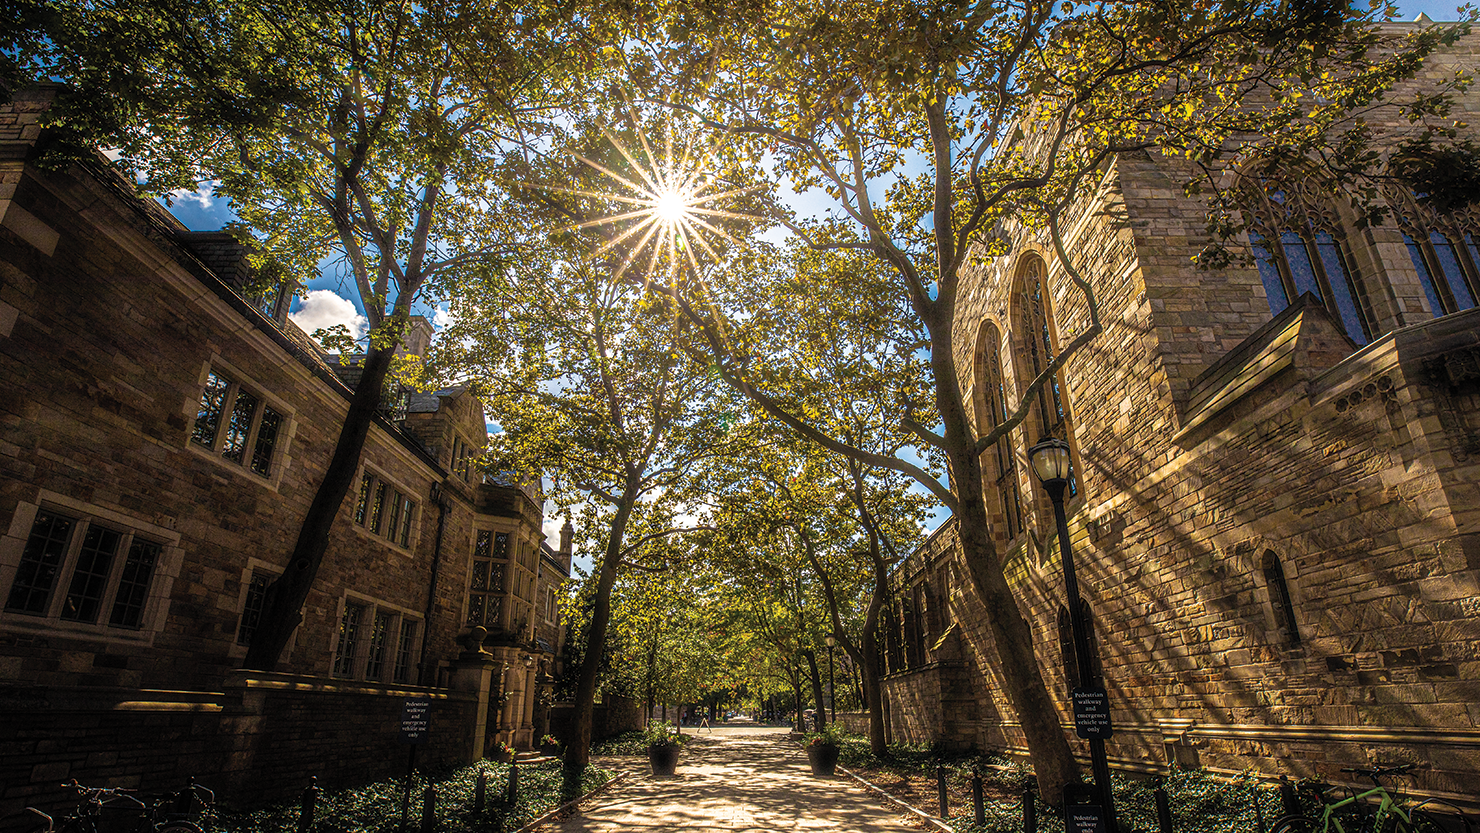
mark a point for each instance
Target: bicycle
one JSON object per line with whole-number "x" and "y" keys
{"x": 118, "y": 810}
{"x": 1391, "y": 813}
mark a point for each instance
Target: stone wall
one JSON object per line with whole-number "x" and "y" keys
{"x": 1209, "y": 437}
{"x": 260, "y": 740}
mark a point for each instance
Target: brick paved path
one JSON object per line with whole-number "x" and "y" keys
{"x": 738, "y": 779}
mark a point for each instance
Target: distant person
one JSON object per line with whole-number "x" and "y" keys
{"x": 704, "y": 721}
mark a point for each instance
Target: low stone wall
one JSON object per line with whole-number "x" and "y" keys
{"x": 613, "y": 716}
{"x": 259, "y": 740}
{"x": 855, "y": 722}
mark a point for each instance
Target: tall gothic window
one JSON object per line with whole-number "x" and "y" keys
{"x": 1299, "y": 247}
{"x": 1280, "y": 599}
{"x": 1000, "y": 467}
{"x": 1445, "y": 249}
{"x": 1034, "y": 345}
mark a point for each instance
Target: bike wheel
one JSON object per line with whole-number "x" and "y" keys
{"x": 1296, "y": 824}
{"x": 178, "y": 827}
{"x": 1437, "y": 817}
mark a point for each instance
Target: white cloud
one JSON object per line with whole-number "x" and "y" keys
{"x": 323, "y": 308}
{"x": 203, "y": 196}
{"x": 442, "y": 319}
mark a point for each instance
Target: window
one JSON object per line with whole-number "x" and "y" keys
{"x": 384, "y": 510}
{"x": 1299, "y": 247}
{"x": 236, "y": 424}
{"x": 1280, "y": 601}
{"x": 252, "y": 606}
{"x": 1000, "y": 465}
{"x": 486, "y": 587}
{"x": 404, "y": 644}
{"x": 376, "y": 643}
{"x": 1035, "y": 348}
{"x": 84, "y": 570}
{"x": 348, "y": 647}
{"x": 1070, "y": 654}
{"x": 1444, "y": 248}
{"x": 462, "y": 454}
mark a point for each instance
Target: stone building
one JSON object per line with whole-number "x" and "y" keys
{"x": 160, "y": 438}
{"x": 1276, "y": 504}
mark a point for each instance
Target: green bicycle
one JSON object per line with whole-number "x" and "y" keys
{"x": 1377, "y": 810}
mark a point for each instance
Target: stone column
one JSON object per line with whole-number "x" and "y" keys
{"x": 473, "y": 671}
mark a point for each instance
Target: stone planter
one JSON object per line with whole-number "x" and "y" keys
{"x": 501, "y": 755}
{"x": 663, "y": 758}
{"x": 823, "y": 757}
{"x": 550, "y": 749}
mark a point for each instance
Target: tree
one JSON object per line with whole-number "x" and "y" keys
{"x": 362, "y": 133}
{"x": 1009, "y": 108}
{"x": 587, "y": 378}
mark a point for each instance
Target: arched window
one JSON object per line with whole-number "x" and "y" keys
{"x": 999, "y": 470}
{"x": 1299, "y": 247}
{"x": 1066, "y": 649}
{"x": 1035, "y": 348}
{"x": 1068, "y": 653}
{"x": 1445, "y": 249}
{"x": 1280, "y": 600}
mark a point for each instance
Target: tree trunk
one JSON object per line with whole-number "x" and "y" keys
{"x": 578, "y": 754}
{"x": 282, "y": 606}
{"x": 1048, "y": 749}
{"x": 869, "y": 668}
{"x": 821, "y": 709}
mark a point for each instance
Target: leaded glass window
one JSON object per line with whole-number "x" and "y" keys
{"x": 1001, "y": 465}
{"x": 1298, "y": 243}
{"x": 1035, "y": 347}
{"x": 1443, "y": 248}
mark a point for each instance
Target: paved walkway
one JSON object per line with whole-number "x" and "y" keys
{"x": 738, "y": 779}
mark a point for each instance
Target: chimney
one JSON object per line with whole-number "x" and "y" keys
{"x": 418, "y": 337}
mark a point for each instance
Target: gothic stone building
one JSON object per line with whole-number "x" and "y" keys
{"x": 1276, "y": 504}
{"x": 160, "y": 439}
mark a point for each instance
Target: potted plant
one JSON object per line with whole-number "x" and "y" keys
{"x": 662, "y": 748}
{"x": 501, "y": 752}
{"x": 822, "y": 750}
{"x": 549, "y": 745}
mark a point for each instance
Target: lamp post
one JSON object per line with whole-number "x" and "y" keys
{"x": 1051, "y": 461}
{"x": 832, "y": 681}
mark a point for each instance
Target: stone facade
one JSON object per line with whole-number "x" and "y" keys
{"x": 1276, "y": 520}
{"x": 161, "y": 436}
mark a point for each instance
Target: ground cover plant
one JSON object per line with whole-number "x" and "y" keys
{"x": 376, "y": 808}
{"x": 1200, "y": 802}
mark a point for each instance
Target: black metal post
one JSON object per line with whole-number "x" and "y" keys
{"x": 1163, "y": 810}
{"x": 310, "y": 801}
{"x": 480, "y": 791}
{"x": 512, "y": 797}
{"x": 940, "y": 790}
{"x": 1030, "y": 809}
{"x": 1098, "y": 762}
{"x": 429, "y": 809}
{"x": 977, "y": 803}
{"x": 410, "y": 773}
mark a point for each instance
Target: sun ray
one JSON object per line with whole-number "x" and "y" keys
{"x": 672, "y": 213}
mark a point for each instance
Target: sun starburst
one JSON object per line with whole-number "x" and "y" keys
{"x": 674, "y": 200}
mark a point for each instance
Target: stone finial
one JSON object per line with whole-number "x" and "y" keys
{"x": 472, "y": 641}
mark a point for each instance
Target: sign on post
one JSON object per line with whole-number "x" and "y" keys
{"x": 1084, "y": 818}
{"x": 1092, "y": 713}
{"x": 416, "y": 720}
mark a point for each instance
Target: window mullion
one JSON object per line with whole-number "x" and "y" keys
{"x": 115, "y": 575}
{"x": 1436, "y": 274}
{"x": 228, "y": 405}
{"x": 63, "y": 584}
